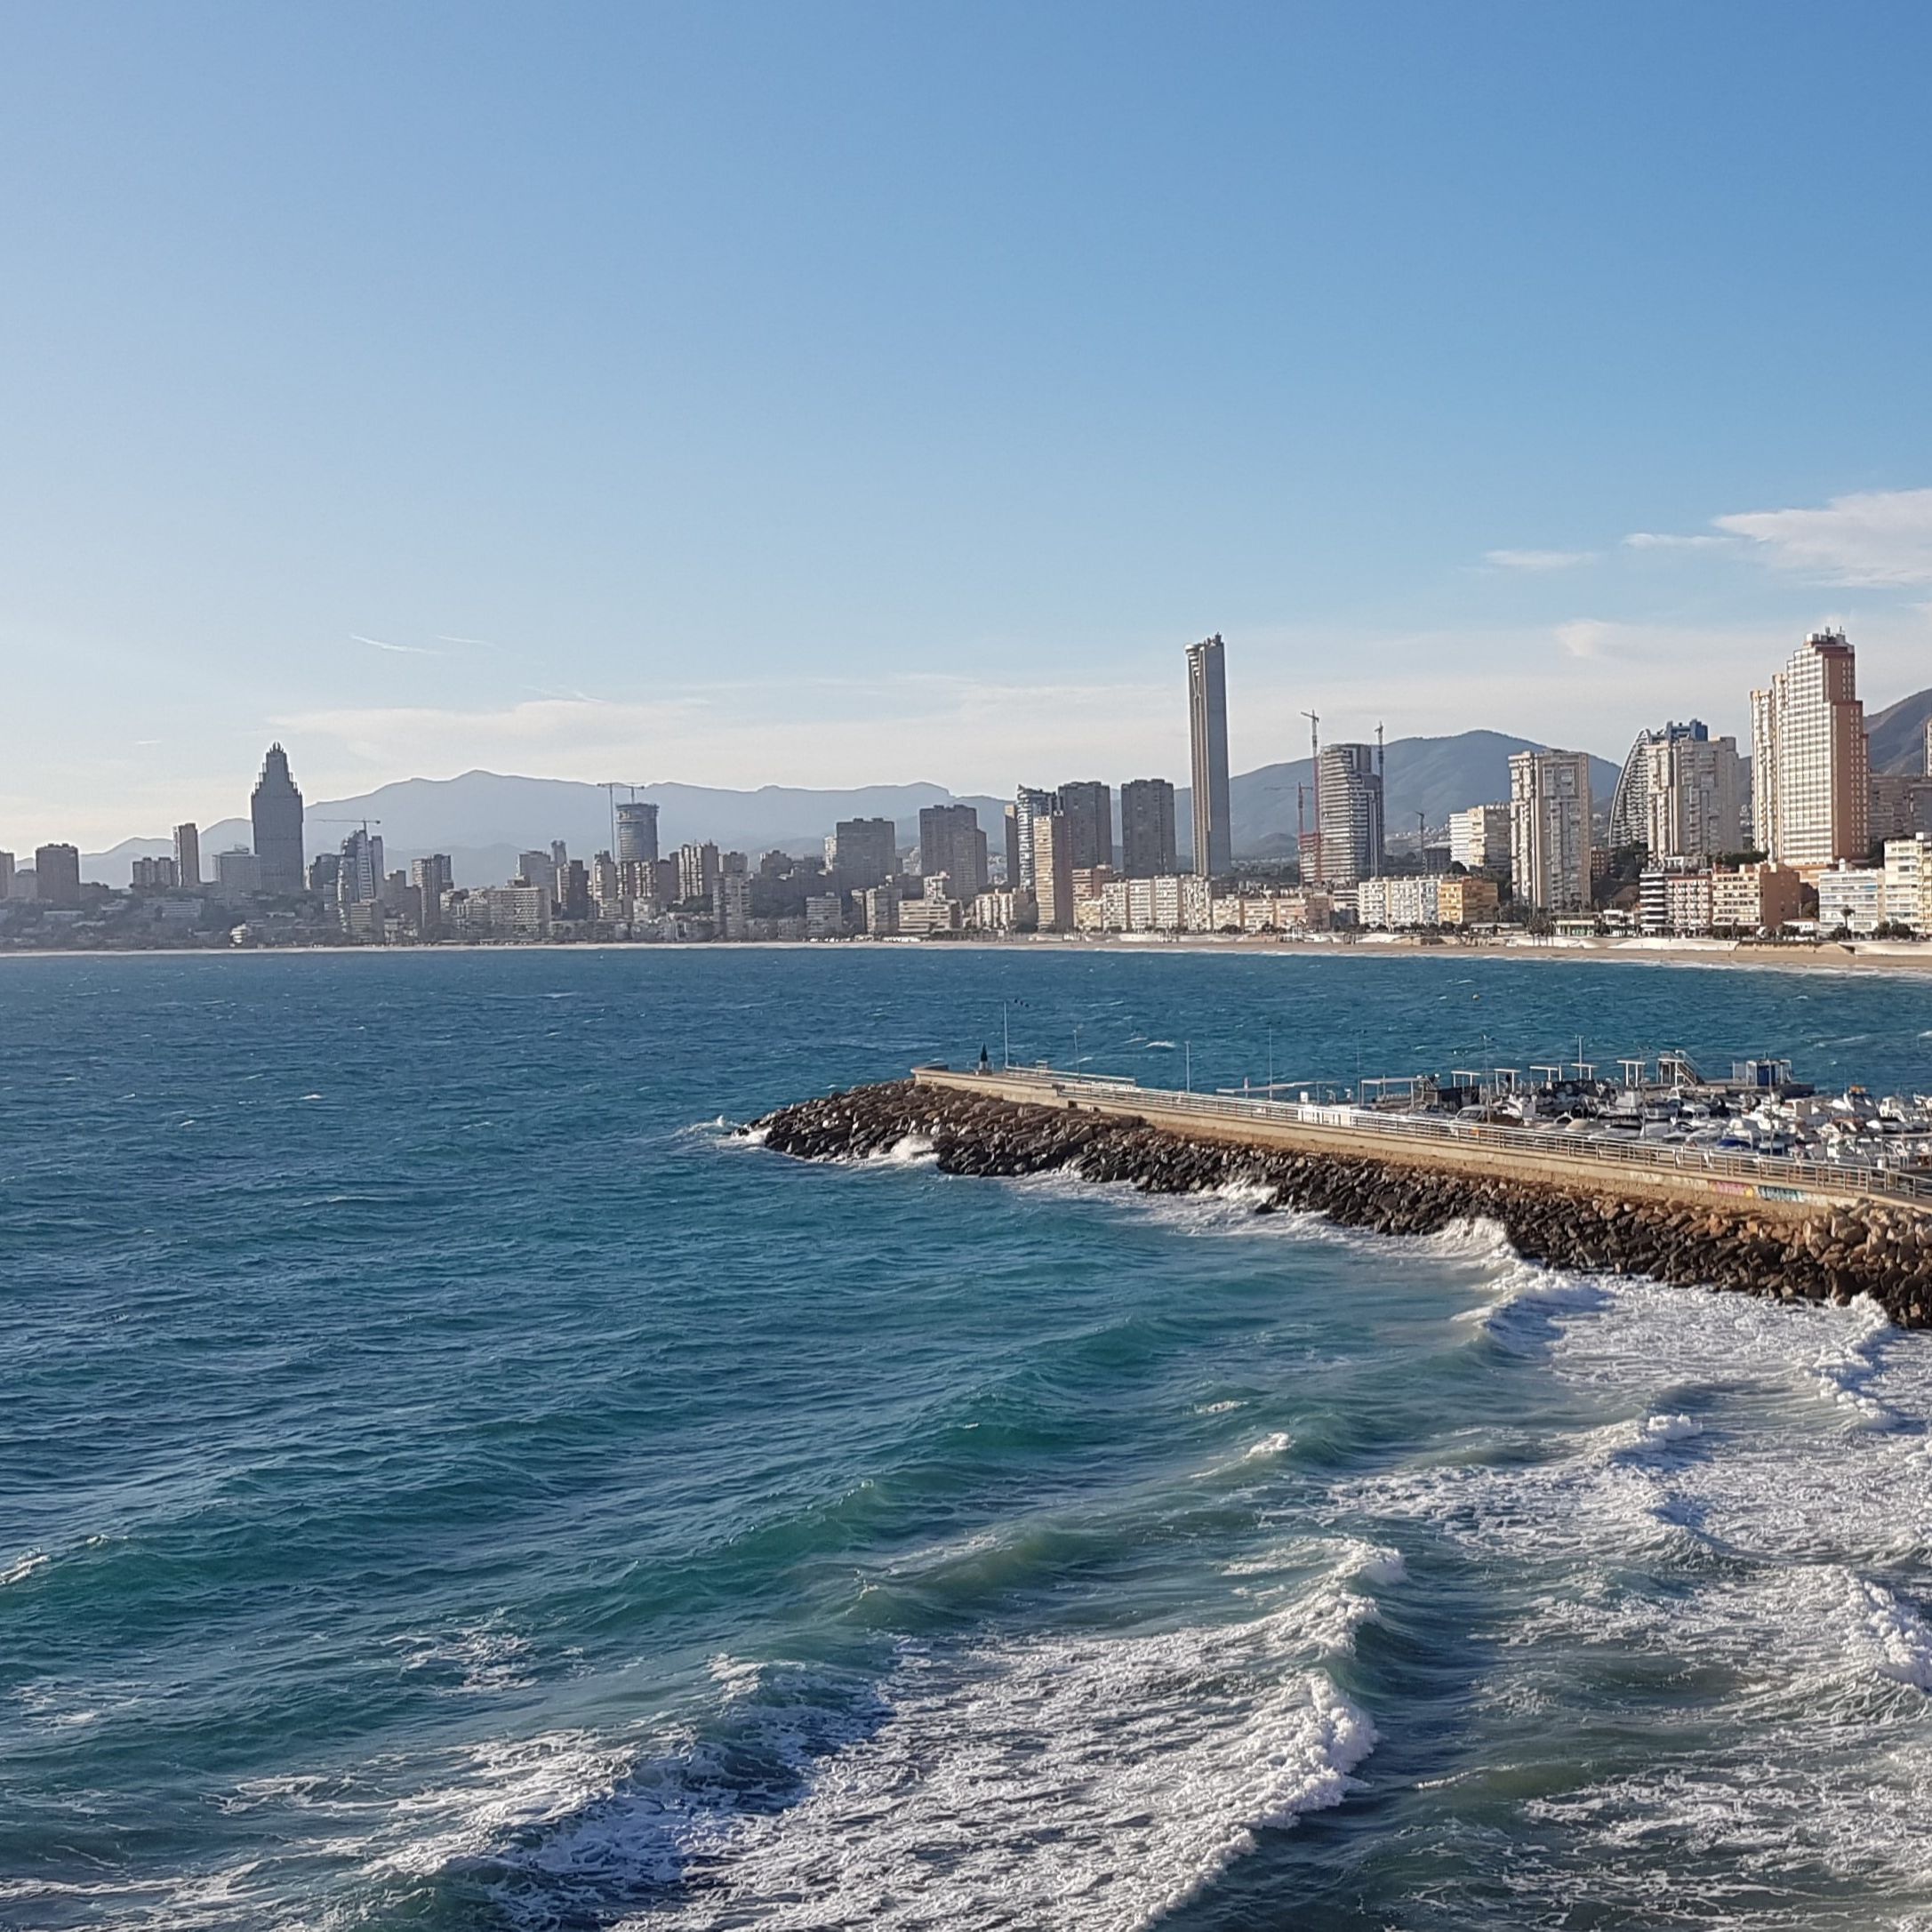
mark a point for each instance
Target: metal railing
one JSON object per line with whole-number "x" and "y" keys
{"x": 1773, "y": 1170}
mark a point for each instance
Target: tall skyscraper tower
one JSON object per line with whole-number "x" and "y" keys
{"x": 1207, "y": 737}
{"x": 1147, "y": 828}
{"x": 1351, "y": 817}
{"x": 1550, "y": 829}
{"x": 1053, "y": 871}
{"x": 1029, "y": 804}
{"x": 637, "y": 832}
{"x": 950, "y": 841}
{"x": 864, "y": 852}
{"x": 1089, "y": 808}
{"x": 358, "y": 877}
{"x": 187, "y": 854}
{"x": 277, "y": 810}
{"x": 1811, "y": 786}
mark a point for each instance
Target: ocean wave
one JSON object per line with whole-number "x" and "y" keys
{"x": 23, "y": 1566}
{"x": 485, "y": 1659}
{"x": 1846, "y": 1368}
{"x": 809, "y": 1799}
{"x": 1158, "y": 1757}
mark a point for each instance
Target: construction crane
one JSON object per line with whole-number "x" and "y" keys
{"x": 1314, "y": 742}
{"x": 365, "y": 823}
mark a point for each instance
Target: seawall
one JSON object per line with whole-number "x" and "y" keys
{"x": 1816, "y": 1250}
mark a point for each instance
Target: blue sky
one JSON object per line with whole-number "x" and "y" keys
{"x": 830, "y": 393}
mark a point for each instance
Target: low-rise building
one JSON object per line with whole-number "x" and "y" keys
{"x": 1466, "y": 899}
{"x": 1758, "y": 898}
{"x": 1394, "y": 904}
{"x": 1171, "y": 902}
{"x": 1851, "y": 897}
{"x": 1674, "y": 899}
{"x": 496, "y": 912}
{"x": 1004, "y": 909}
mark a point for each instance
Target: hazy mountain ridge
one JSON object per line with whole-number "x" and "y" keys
{"x": 483, "y": 819}
{"x": 1898, "y": 734}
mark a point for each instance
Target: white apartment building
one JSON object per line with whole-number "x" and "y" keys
{"x": 1173, "y": 903}
{"x": 1675, "y": 900}
{"x": 1908, "y": 882}
{"x": 1550, "y": 829}
{"x": 497, "y": 912}
{"x": 1479, "y": 839}
{"x": 1399, "y": 903}
{"x": 1811, "y": 781}
{"x": 1853, "y": 896}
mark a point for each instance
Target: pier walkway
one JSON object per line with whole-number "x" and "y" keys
{"x": 1774, "y": 1185}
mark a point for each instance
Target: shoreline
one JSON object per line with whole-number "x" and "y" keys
{"x": 1831, "y": 956}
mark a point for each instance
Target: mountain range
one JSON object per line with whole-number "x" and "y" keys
{"x": 483, "y": 819}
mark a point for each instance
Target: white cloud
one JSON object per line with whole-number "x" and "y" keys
{"x": 1875, "y": 539}
{"x": 402, "y": 650}
{"x": 1536, "y": 561}
{"x": 1585, "y": 636}
{"x": 1658, "y": 540}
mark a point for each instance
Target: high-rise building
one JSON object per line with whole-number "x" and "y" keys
{"x": 1147, "y": 849}
{"x": 1550, "y": 829}
{"x": 57, "y": 875}
{"x": 358, "y": 873}
{"x": 187, "y": 854}
{"x": 697, "y": 870}
{"x": 238, "y": 872}
{"x": 1479, "y": 839}
{"x": 6, "y": 875}
{"x": 153, "y": 875}
{"x": 1900, "y": 805}
{"x": 276, "y": 811}
{"x": 864, "y": 852}
{"x": 731, "y": 905}
{"x": 324, "y": 870}
{"x": 637, "y": 832}
{"x": 1929, "y": 747}
{"x": 1053, "y": 871}
{"x": 538, "y": 868}
{"x": 950, "y": 841}
{"x": 1207, "y": 738}
{"x": 574, "y": 890}
{"x": 1679, "y": 794}
{"x": 1351, "y": 823}
{"x": 432, "y": 876}
{"x": 1029, "y": 805}
{"x": 1088, "y": 805}
{"x": 1811, "y": 796}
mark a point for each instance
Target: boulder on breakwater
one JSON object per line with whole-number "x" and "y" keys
{"x": 1876, "y": 1249}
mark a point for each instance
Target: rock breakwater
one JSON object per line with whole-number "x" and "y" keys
{"x": 1875, "y": 1249}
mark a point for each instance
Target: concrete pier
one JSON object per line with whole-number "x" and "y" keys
{"x": 1751, "y": 1223}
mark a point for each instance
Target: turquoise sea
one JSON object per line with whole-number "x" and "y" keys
{"x": 448, "y": 1481}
